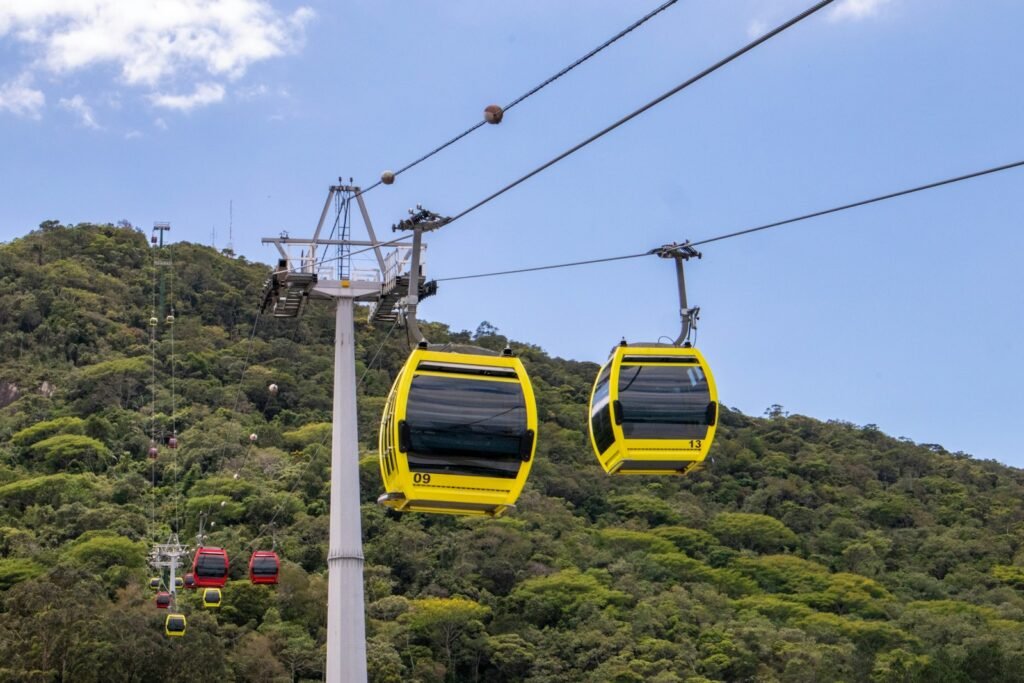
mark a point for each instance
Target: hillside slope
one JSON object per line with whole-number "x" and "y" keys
{"x": 804, "y": 551}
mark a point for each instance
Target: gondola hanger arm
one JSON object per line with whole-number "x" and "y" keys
{"x": 688, "y": 316}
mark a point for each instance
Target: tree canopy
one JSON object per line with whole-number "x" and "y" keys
{"x": 803, "y": 551}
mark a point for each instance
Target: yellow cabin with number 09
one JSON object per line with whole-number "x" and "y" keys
{"x": 458, "y": 433}
{"x": 653, "y": 410}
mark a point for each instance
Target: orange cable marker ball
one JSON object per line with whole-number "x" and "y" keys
{"x": 493, "y": 114}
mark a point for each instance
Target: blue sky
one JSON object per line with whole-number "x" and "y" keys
{"x": 906, "y": 314}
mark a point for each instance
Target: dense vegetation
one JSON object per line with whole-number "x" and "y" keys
{"x": 804, "y": 551}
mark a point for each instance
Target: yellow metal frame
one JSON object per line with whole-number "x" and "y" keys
{"x": 167, "y": 622}
{"x": 452, "y": 494}
{"x": 208, "y": 603}
{"x": 672, "y": 456}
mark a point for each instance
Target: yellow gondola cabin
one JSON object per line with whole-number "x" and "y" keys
{"x": 653, "y": 410}
{"x": 458, "y": 433}
{"x": 212, "y": 597}
{"x": 174, "y": 625}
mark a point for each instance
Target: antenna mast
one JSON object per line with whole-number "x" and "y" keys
{"x": 229, "y": 250}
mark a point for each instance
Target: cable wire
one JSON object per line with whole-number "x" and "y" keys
{"x": 551, "y": 267}
{"x": 174, "y": 425}
{"x": 863, "y": 202}
{"x": 532, "y": 91}
{"x": 658, "y": 100}
{"x": 152, "y": 408}
{"x": 252, "y": 339}
{"x": 758, "y": 228}
{"x": 298, "y": 479}
{"x": 241, "y": 379}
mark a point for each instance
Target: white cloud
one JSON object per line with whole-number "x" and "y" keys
{"x": 253, "y": 92}
{"x": 20, "y": 98}
{"x": 258, "y": 91}
{"x": 154, "y": 44}
{"x": 856, "y": 9}
{"x": 756, "y": 28}
{"x": 77, "y": 105}
{"x": 204, "y": 94}
{"x": 160, "y": 123}
{"x": 132, "y": 135}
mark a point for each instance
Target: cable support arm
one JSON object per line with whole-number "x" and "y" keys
{"x": 420, "y": 220}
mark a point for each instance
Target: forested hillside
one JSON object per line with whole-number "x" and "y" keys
{"x": 804, "y": 551}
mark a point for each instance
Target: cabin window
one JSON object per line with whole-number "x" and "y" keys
{"x": 601, "y": 413}
{"x": 664, "y": 402}
{"x": 264, "y": 566}
{"x": 211, "y": 566}
{"x": 465, "y": 426}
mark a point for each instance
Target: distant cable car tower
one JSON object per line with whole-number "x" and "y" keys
{"x": 169, "y": 556}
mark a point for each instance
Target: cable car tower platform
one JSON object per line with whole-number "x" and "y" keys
{"x": 308, "y": 271}
{"x": 168, "y": 556}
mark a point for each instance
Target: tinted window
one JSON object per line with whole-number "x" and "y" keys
{"x": 264, "y": 566}
{"x": 211, "y": 566}
{"x": 601, "y": 412}
{"x": 465, "y": 426}
{"x": 664, "y": 402}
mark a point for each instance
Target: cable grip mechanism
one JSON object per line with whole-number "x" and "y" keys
{"x": 420, "y": 220}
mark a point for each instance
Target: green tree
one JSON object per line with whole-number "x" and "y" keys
{"x": 750, "y": 531}
{"x": 448, "y": 624}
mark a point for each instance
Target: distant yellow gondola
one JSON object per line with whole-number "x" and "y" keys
{"x": 174, "y": 625}
{"x": 155, "y": 583}
{"x": 653, "y": 410}
{"x": 654, "y": 407}
{"x": 212, "y": 597}
{"x": 458, "y": 433}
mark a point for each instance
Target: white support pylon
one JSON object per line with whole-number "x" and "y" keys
{"x": 346, "y": 620}
{"x": 346, "y": 624}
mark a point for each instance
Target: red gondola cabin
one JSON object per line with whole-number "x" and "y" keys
{"x": 163, "y": 600}
{"x": 189, "y": 581}
{"x": 264, "y": 567}
{"x": 210, "y": 568}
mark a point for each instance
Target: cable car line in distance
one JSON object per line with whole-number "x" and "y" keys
{"x": 758, "y": 228}
{"x": 548, "y": 81}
